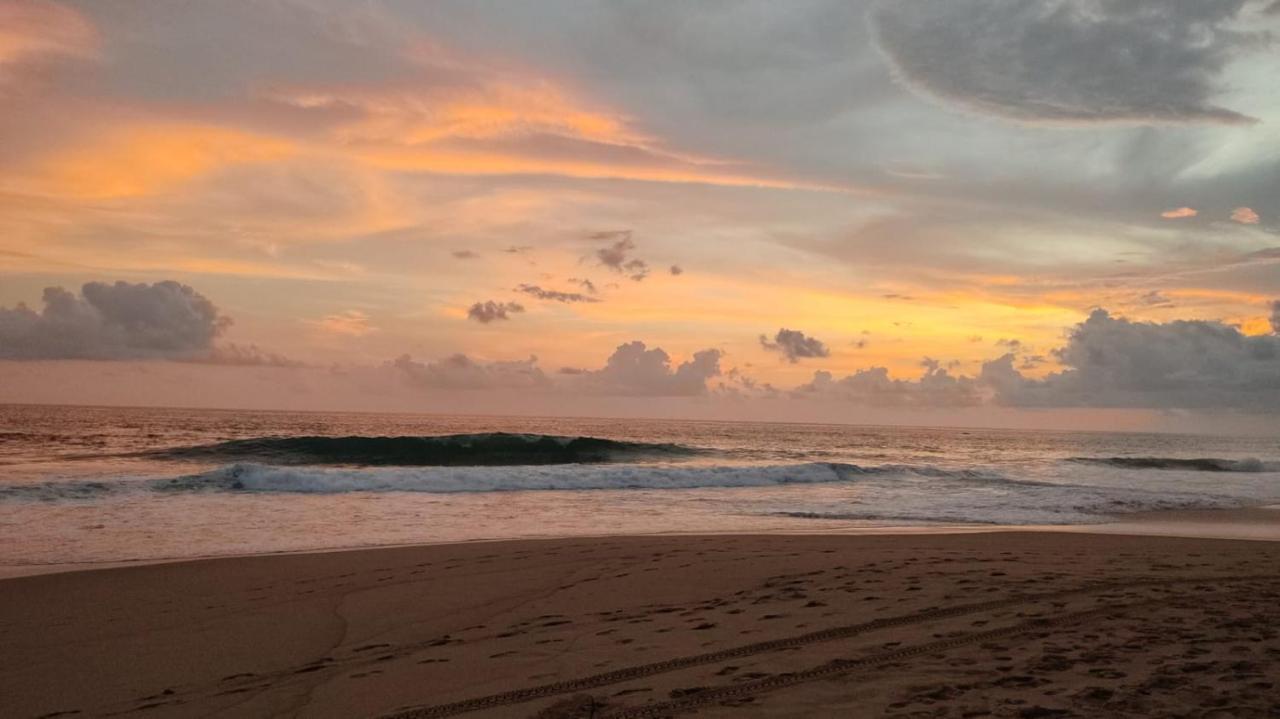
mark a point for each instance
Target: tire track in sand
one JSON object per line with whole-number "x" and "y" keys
{"x": 843, "y": 666}
{"x": 519, "y": 696}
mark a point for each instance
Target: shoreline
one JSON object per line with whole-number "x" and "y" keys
{"x": 1089, "y": 624}
{"x": 1261, "y": 523}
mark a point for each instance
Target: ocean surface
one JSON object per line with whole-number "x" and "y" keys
{"x": 87, "y": 485}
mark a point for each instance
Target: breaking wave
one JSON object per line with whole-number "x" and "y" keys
{"x": 451, "y": 480}
{"x": 885, "y": 493}
{"x": 255, "y": 477}
{"x": 454, "y": 450}
{"x": 1202, "y": 464}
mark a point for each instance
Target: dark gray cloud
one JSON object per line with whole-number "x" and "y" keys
{"x": 585, "y": 284}
{"x": 677, "y": 270}
{"x": 488, "y": 311}
{"x": 461, "y": 372}
{"x": 795, "y": 345}
{"x": 635, "y": 370}
{"x": 617, "y": 256}
{"x": 113, "y": 322}
{"x": 465, "y": 254}
{"x": 1067, "y": 61}
{"x": 1114, "y": 362}
{"x": 555, "y": 295}
{"x": 1108, "y": 362}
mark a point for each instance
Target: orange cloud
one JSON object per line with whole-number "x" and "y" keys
{"x": 146, "y": 159}
{"x": 353, "y": 323}
{"x": 1245, "y": 216}
{"x": 1179, "y": 213}
{"x": 501, "y": 122}
{"x": 422, "y": 114}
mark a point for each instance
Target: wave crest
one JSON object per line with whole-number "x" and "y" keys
{"x": 454, "y": 450}
{"x": 1199, "y": 464}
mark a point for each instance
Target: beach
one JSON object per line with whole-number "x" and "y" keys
{"x": 1003, "y": 623}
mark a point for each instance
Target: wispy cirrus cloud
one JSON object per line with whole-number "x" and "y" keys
{"x": 555, "y": 295}
{"x": 35, "y": 30}
{"x": 352, "y": 323}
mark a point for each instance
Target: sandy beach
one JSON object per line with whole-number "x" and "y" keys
{"x": 1006, "y": 624}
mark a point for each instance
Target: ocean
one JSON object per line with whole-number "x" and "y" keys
{"x": 83, "y": 485}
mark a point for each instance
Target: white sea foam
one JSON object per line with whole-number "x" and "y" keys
{"x": 450, "y": 480}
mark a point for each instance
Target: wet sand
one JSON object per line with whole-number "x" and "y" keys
{"x": 1033, "y": 624}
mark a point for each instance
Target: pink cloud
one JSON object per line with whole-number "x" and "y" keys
{"x": 1179, "y": 213}
{"x": 33, "y": 28}
{"x": 1245, "y": 216}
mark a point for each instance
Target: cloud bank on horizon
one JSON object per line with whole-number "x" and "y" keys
{"x": 1107, "y": 361}
{"x": 471, "y": 183}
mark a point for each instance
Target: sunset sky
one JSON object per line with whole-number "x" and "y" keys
{"x": 1056, "y": 213}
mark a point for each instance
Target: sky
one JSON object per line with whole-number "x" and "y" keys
{"x": 1041, "y": 213}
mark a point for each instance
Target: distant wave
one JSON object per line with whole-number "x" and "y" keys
{"x": 454, "y": 450}
{"x": 1202, "y": 464}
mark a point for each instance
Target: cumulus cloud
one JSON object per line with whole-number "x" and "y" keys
{"x": 246, "y": 356}
{"x": 1245, "y": 216}
{"x": 554, "y": 295}
{"x": 1066, "y": 61}
{"x": 874, "y": 387}
{"x": 461, "y": 372}
{"x": 488, "y": 311}
{"x": 1179, "y": 213}
{"x": 1114, "y": 362}
{"x": 635, "y": 370}
{"x": 795, "y": 345}
{"x": 632, "y": 370}
{"x": 1108, "y": 362}
{"x": 113, "y": 322}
